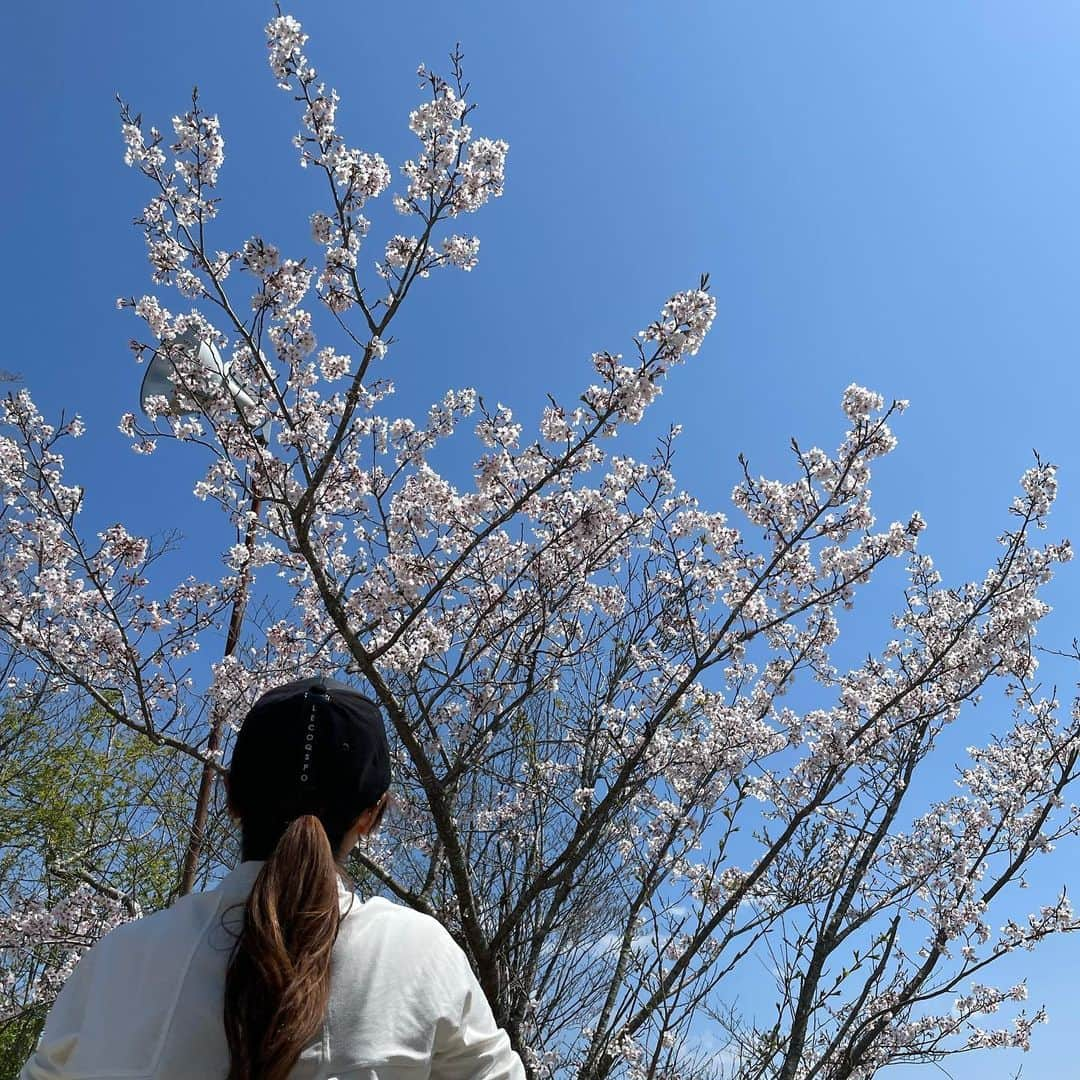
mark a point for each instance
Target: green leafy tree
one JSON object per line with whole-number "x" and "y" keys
{"x": 84, "y": 805}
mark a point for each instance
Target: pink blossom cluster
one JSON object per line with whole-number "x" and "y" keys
{"x": 56, "y": 934}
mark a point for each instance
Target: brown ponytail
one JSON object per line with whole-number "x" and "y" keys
{"x": 277, "y": 984}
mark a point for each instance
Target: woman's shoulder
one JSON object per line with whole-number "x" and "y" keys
{"x": 382, "y": 907}
{"x": 175, "y": 925}
{"x": 395, "y": 916}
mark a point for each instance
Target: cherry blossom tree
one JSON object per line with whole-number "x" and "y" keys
{"x": 602, "y": 787}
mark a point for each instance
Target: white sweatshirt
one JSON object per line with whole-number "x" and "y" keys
{"x": 146, "y": 1001}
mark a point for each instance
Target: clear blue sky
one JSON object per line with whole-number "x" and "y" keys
{"x": 882, "y": 193}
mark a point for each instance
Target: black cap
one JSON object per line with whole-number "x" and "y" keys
{"x": 313, "y": 746}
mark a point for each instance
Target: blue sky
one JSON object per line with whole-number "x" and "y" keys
{"x": 882, "y": 193}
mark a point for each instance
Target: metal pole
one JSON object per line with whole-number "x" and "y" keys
{"x": 217, "y": 723}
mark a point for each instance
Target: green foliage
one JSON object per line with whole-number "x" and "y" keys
{"x": 17, "y": 1041}
{"x": 83, "y": 801}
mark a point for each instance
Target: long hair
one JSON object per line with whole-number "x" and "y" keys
{"x": 277, "y": 984}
